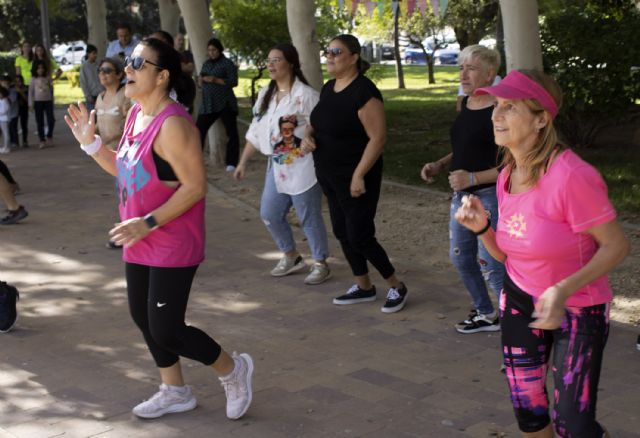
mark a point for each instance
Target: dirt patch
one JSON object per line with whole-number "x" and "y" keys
{"x": 414, "y": 222}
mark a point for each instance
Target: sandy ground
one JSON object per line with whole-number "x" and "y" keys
{"x": 412, "y": 223}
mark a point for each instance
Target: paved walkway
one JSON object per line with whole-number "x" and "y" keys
{"x": 75, "y": 364}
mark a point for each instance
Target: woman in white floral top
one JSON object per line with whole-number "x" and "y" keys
{"x": 280, "y": 115}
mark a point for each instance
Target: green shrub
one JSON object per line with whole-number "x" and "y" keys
{"x": 7, "y": 60}
{"x": 591, "y": 50}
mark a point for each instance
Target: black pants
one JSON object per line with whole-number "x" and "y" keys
{"x": 575, "y": 350}
{"x": 352, "y": 220}
{"x": 23, "y": 114}
{"x": 13, "y": 130}
{"x": 229, "y": 120}
{"x": 4, "y": 170}
{"x": 158, "y": 301}
{"x": 42, "y": 108}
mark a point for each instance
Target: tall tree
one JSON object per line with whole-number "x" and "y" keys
{"x": 416, "y": 27}
{"x": 473, "y": 19}
{"x": 169, "y": 15}
{"x": 97, "y": 25}
{"x": 396, "y": 47}
{"x": 521, "y": 34}
{"x": 302, "y": 27}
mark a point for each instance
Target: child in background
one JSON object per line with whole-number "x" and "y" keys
{"x": 23, "y": 108}
{"x": 5, "y": 106}
{"x": 5, "y": 81}
{"x": 41, "y": 100}
{"x": 89, "y": 81}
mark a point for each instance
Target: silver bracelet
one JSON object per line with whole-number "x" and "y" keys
{"x": 94, "y": 147}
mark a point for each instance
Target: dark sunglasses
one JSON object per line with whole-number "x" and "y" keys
{"x": 106, "y": 70}
{"x": 137, "y": 62}
{"x": 333, "y": 51}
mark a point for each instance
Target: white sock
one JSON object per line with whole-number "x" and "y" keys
{"x": 182, "y": 390}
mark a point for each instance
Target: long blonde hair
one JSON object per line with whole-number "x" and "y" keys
{"x": 536, "y": 160}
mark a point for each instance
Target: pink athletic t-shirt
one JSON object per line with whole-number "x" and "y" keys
{"x": 178, "y": 243}
{"x": 542, "y": 230}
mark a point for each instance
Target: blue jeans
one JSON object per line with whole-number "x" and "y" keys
{"x": 469, "y": 256}
{"x": 308, "y": 205}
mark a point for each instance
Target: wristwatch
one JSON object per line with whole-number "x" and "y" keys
{"x": 151, "y": 222}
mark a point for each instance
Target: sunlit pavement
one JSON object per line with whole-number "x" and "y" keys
{"x": 75, "y": 365}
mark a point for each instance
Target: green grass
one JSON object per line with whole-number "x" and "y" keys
{"x": 65, "y": 93}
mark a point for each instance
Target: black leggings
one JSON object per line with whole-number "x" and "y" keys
{"x": 352, "y": 220}
{"x": 4, "y": 170}
{"x": 44, "y": 108}
{"x": 229, "y": 120}
{"x": 575, "y": 350}
{"x": 158, "y": 301}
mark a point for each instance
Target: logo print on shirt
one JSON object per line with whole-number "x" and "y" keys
{"x": 132, "y": 176}
{"x": 159, "y": 304}
{"x": 516, "y": 226}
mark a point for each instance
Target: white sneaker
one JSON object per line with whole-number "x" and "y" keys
{"x": 319, "y": 273}
{"x": 230, "y": 168}
{"x": 166, "y": 401}
{"x": 237, "y": 386}
{"x": 287, "y": 265}
{"x": 5, "y": 150}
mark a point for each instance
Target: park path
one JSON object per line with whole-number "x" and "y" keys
{"x": 75, "y": 364}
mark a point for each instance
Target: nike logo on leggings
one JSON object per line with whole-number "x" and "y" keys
{"x": 159, "y": 304}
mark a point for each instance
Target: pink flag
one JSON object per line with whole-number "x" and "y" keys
{"x": 411, "y": 5}
{"x": 370, "y": 6}
{"x": 354, "y": 6}
{"x": 422, "y": 4}
{"x": 435, "y": 6}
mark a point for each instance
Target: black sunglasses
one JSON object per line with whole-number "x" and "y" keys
{"x": 137, "y": 62}
{"x": 333, "y": 51}
{"x": 106, "y": 70}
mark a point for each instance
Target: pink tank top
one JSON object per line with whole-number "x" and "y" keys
{"x": 178, "y": 243}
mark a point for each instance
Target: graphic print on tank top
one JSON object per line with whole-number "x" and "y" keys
{"x": 132, "y": 176}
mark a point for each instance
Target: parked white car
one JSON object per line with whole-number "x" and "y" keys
{"x": 70, "y": 53}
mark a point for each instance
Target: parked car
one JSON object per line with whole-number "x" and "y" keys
{"x": 386, "y": 52}
{"x": 72, "y": 53}
{"x": 413, "y": 54}
{"x": 447, "y": 55}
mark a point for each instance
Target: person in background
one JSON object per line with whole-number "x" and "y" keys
{"x": 41, "y": 100}
{"x": 473, "y": 169}
{"x": 40, "y": 53}
{"x": 347, "y": 134}
{"x": 282, "y": 111}
{"x": 89, "y": 80}
{"x": 559, "y": 238}
{"x": 163, "y": 36}
{"x": 462, "y": 94}
{"x": 162, "y": 182}
{"x": 23, "y": 108}
{"x": 124, "y": 44}
{"x": 15, "y": 211}
{"x": 5, "y": 107}
{"x": 14, "y": 109}
{"x": 218, "y": 77}
{"x": 186, "y": 57}
{"x": 23, "y": 63}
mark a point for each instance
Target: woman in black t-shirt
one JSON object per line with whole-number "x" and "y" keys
{"x": 473, "y": 170}
{"x": 347, "y": 134}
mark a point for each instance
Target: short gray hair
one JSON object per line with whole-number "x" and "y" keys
{"x": 489, "y": 58}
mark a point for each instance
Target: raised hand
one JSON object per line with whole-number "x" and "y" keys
{"x": 81, "y": 122}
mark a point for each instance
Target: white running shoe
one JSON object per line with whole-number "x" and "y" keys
{"x": 237, "y": 386}
{"x": 166, "y": 401}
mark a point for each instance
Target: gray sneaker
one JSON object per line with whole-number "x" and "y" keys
{"x": 237, "y": 386}
{"x": 319, "y": 273}
{"x": 166, "y": 401}
{"x": 288, "y": 265}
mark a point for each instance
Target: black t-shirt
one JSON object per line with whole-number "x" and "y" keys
{"x": 472, "y": 141}
{"x": 340, "y": 137}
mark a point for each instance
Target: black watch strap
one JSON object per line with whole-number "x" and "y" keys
{"x": 151, "y": 222}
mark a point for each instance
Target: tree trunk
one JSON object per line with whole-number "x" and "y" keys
{"x": 196, "y": 21}
{"x": 302, "y": 27}
{"x": 97, "y": 25}
{"x": 521, "y": 34}
{"x": 169, "y": 16}
{"x": 396, "y": 49}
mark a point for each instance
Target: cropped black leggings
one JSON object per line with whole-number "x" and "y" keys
{"x": 158, "y": 301}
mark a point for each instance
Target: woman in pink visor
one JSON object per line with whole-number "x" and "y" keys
{"x": 558, "y": 237}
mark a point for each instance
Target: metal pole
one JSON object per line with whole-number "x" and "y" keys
{"x": 44, "y": 18}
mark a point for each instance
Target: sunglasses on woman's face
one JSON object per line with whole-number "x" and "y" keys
{"x": 137, "y": 62}
{"x": 106, "y": 70}
{"x": 333, "y": 51}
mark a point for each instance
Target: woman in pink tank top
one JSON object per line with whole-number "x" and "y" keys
{"x": 162, "y": 184}
{"x": 558, "y": 237}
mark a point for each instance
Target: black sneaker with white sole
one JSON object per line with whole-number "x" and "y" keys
{"x": 396, "y": 299}
{"x": 481, "y": 323}
{"x": 468, "y": 319}
{"x": 356, "y": 295}
{"x": 8, "y": 314}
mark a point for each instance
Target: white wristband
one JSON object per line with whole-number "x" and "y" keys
{"x": 92, "y": 148}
